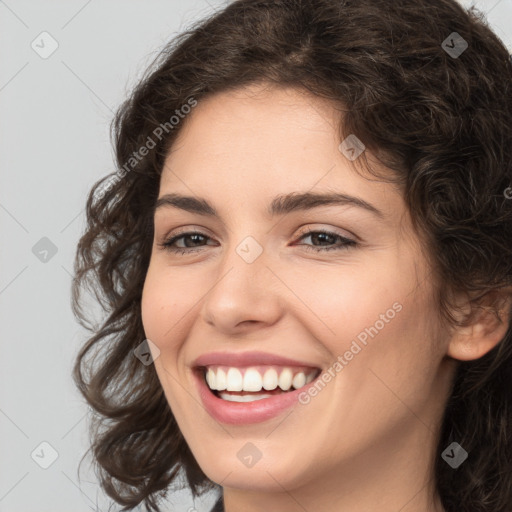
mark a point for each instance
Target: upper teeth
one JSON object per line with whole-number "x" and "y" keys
{"x": 255, "y": 379}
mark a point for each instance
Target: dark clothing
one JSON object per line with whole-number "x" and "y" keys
{"x": 219, "y": 506}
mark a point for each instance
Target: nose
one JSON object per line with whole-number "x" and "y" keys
{"x": 245, "y": 294}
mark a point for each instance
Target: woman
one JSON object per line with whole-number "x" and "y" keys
{"x": 306, "y": 261}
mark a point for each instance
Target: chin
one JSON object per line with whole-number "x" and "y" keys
{"x": 269, "y": 474}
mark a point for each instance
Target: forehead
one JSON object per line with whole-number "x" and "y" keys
{"x": 280, "y": 118}
{"x": 263, "y": 140}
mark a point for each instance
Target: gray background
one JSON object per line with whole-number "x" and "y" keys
{"x": 54, "y": 145}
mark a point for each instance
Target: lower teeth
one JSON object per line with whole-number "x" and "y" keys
{"x": 243, "y": 398}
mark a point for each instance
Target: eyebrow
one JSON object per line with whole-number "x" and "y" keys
{"x": 280, "y": 205}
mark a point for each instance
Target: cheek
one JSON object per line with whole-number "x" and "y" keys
{"x": 400, "y": 350}
{"x": 337, "y": 304}
{"x": 152, "y": 308}
{"x": 380, "y": 317}
{"x": 163, "y": 303}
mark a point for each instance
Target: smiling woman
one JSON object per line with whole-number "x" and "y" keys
{"x": 308, "y": 278}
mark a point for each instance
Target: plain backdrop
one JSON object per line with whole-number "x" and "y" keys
{"x": 55, "y": 112}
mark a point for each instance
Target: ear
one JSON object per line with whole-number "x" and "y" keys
{"x": 488, "y": 322}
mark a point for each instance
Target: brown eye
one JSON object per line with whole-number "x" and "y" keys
{"x": 326, "y": 237}
{"x": 194, "y": 238}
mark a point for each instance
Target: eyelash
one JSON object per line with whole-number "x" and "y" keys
{"x": 347, "y": 242}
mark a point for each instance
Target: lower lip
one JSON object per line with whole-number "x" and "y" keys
{"x": 241, "y": 413}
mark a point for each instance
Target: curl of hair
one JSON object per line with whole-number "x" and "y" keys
{"x": 443, "y": 125}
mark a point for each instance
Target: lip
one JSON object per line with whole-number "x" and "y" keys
{"x": 239, "y": 359}
{"x": 242, "y": 413}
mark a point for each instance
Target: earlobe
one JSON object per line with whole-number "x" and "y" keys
{"x": 488, "y": 326}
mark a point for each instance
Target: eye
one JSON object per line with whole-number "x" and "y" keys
{"x": 196, "y": 237}
{"x": 328, "y": 237}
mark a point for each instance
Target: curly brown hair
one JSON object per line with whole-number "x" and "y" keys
{"x": 441, "y": 122}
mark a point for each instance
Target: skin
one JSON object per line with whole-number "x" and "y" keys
{"x": 367, "y": 440}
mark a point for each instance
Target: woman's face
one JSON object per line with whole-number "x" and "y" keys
{"x": 256, "y": 301}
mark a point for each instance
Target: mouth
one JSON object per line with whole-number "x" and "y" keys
{"x": 250, "y": 387}
{"x": 248, "y": 384}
